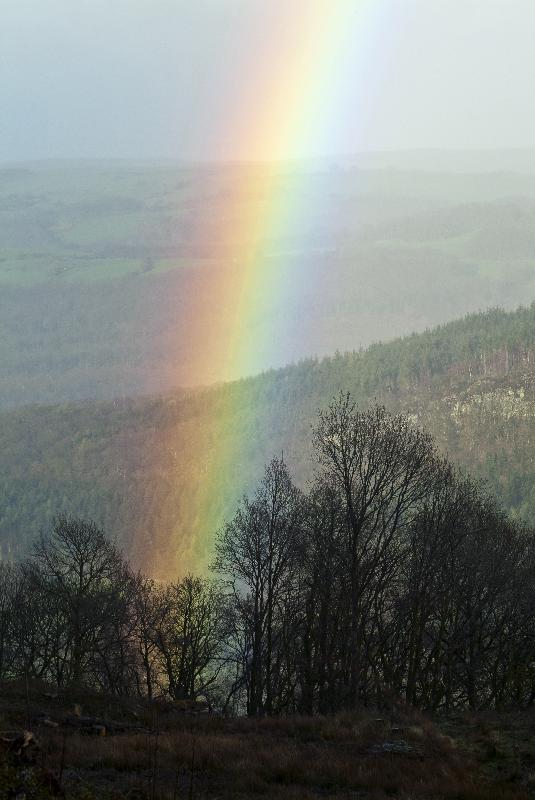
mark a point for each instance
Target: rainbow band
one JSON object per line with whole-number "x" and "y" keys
{"x": 290, "y": 108}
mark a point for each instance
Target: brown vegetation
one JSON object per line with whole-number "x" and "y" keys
{"x": 364, "y": 754}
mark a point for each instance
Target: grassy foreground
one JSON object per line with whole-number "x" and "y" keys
{"x": 101, "y": 747}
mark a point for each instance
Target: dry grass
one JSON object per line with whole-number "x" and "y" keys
{"x": 285, "y": 759}
{"x": 502, "y": 743}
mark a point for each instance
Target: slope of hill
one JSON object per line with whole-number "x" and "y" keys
{"x": 169, "y": 750}
{"x": 101, "y": 265}
{"x": 140, "y": 466}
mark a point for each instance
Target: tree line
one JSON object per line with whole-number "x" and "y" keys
{"x": 391, "y": 575}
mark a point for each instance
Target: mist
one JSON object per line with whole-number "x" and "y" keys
{"x": 181, "y": 80}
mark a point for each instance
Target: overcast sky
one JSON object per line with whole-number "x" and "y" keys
{"x": 189, "y": 78}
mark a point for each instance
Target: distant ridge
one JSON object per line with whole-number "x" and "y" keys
{"x": 438, "y": 160}
{"x": 434, "y": 159}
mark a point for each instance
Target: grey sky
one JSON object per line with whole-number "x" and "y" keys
{"x": 157, "y": 78}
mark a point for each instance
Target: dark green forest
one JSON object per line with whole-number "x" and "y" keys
{"x": 138, "y": 466}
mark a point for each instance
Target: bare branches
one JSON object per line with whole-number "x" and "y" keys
{"x": 394, "y": 575}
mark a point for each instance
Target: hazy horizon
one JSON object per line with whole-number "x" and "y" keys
{"x": 438, "y": 160}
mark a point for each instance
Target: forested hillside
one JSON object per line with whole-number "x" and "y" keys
{"x": 102, "y": 266}
{"x": 160, "y": 474}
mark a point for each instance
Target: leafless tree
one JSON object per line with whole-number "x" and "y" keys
{"x": 382, "y": 465}
{"x": 76, "y": 567}
{"x": 257, "y": 554}
{"x": 187, "y": 633}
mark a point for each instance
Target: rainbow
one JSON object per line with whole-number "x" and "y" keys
{"x": 238, "y": 322}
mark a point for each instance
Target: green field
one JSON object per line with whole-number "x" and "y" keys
{"x": 100, "y": 263}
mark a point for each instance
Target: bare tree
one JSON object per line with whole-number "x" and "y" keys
{"x": 257, "y": 552}
{"x": 9, "y": 580}
{"x": 147, "y": 615}
{"x": 187, "y": 633}
{"x": 382, "y": 465}
{"x": 78, "y": 567}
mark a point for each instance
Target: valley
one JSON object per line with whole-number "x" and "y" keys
{"x": 106, "y": 269}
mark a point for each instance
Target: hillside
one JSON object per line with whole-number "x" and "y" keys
{"x": 161, "y": 473}
{"x": 103, "y": 265}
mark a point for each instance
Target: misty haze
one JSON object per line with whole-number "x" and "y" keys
{"x": 267, "y": 399}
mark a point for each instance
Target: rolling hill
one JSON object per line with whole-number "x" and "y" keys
{"x": 100, "y": 263}
{"x": 140, "y": 466}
